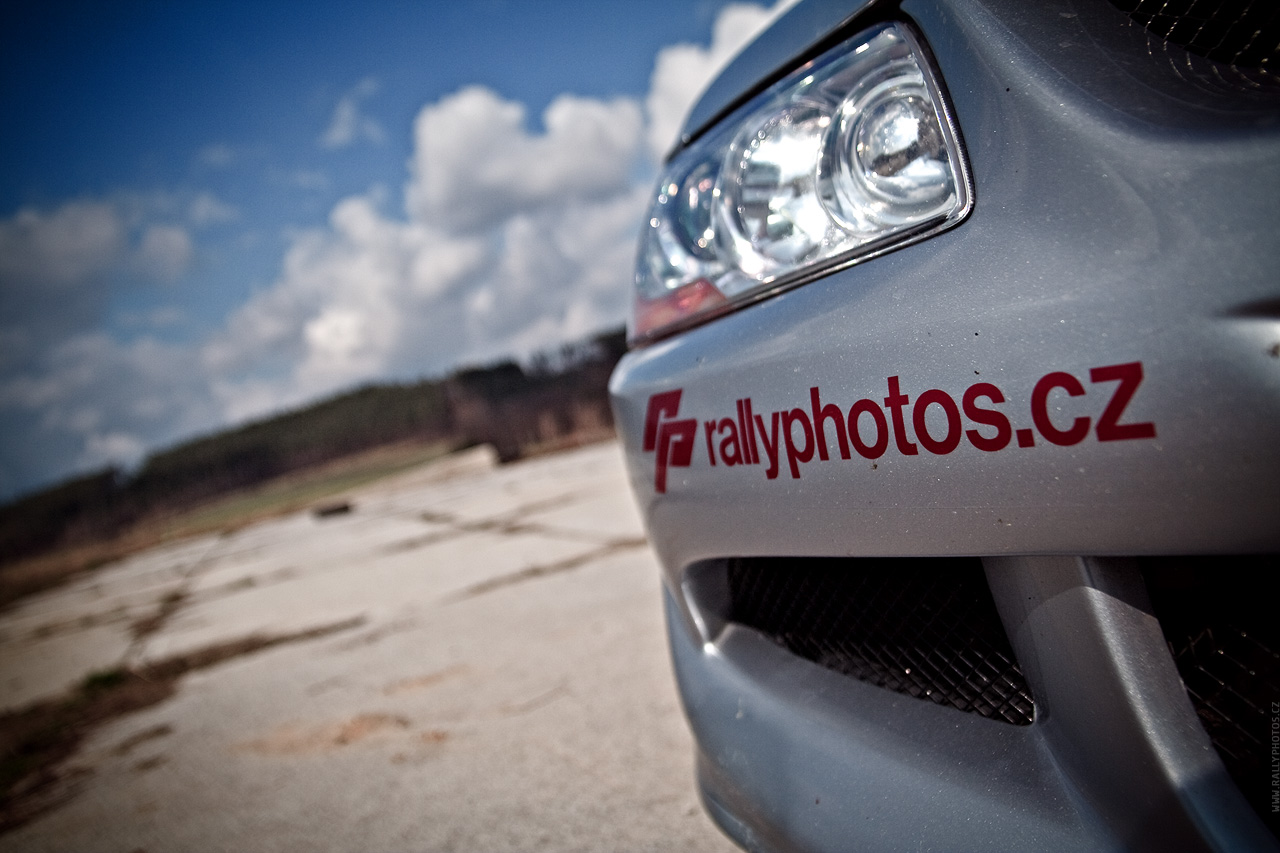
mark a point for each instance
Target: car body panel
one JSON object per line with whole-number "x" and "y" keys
{"x": 1094, "y": 252}
{"x": 1115, "y": 281}
{"x": 829, "y": 779}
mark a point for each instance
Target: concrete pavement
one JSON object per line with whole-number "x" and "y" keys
{"x": 497, "y": 678}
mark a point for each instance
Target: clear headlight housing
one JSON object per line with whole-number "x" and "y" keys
{"x": 849, "y": 156}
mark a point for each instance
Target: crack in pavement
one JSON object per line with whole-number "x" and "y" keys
{"x": 127, "y": 745}
{"x": 546, "y": 697}
{"x": 413, "y": 543}
{"x": 540, "y": 505}
{"x": 46, "y": 630}
{"x": 37, "y": 739}
{"x": 378, "y": 634}
{"x": 534, "y": 572}
{"x": 507, "y": 524}
{"x": 176, "y": 595}
{"x": 169, "y": 604}
{"x": 244, "y": 584}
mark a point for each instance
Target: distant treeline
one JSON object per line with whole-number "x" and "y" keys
{"x": 561, "y": 394}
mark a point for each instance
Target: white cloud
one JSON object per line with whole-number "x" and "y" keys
{"x": 166, "y": 316}
{"x": 340, "y": 310}
{"x": 514, "y": 239}
{"x": 372, "y": 297}
{"x": 216, "y": 155}
{"x": 75, "y": 243}
{"x": 72, "y": 397}
{"x": 474, "y": 163}
{"x": 207, "y": 209}
{"x": 557, "y": 275}
{"x": 115, "y": 448}
{"x": 97, "y": 401}
{"x": 165, "y": 252}
{"x": 55, "y": 267}
{"x": 515, "y": 236}
{"x": 307, "y": 179}
{"x": 348, "y": 125}
{"x": 79, "y": 245}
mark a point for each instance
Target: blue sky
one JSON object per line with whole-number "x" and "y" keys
{"x": 213, "y": 211}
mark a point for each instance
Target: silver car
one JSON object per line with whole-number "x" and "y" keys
{"x": 953, "y": 412}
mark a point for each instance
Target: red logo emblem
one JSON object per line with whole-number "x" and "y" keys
{"x": 671, "y": 438}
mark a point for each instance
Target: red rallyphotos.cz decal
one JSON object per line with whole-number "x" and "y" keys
{"x": 869, "y": 427}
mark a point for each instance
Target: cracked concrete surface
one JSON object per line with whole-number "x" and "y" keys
{"x": 508, "y": 688}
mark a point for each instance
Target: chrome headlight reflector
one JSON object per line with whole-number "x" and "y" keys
{"x": 853, "y": 154}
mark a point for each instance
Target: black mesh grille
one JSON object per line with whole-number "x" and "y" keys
{"x": 1218, "y": 616}
{"x": 926, "y": 628}
{"x": 1241, "y": 38}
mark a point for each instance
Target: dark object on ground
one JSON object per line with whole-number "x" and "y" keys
{"x": 331, "y": 509}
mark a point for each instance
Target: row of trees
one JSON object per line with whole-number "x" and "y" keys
{"x": 561, "y": 393}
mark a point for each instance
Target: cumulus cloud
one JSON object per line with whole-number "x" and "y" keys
{"x": 164, "y": 317}
{"x": 114, "y": 448}
{"x": 348, "y": 124}
{"x": 165, "y": 252}
{"x": 514, "y": 237}
{"x": 207, "y": 209}
{"x": 73, "y": 244}
{"x": 54, "y": 266}
{"x": 342, "y": 309}
{"x": 216, "y": 155}
{"x": 69, "y": 395}
{"x": 97, "y": 401}
{"x": 475, "y": 163}
{"x": 78, "y": 245}
{"x": 516, "y": 234}
{"x": 308, "y": 179}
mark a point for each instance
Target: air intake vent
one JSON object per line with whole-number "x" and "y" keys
{"x": 924, "y": 627}
{"x": 1242, "y": 37}
{"x": 1218, "y": 616}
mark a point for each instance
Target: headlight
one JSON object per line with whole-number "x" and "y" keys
{"x": 850, "y": 156}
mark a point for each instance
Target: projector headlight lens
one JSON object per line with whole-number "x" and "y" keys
{"x": 844, "y": 159}
{"x": 681, "y": 230}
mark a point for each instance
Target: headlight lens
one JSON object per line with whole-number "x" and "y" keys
{"x": 848, "y": 157}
